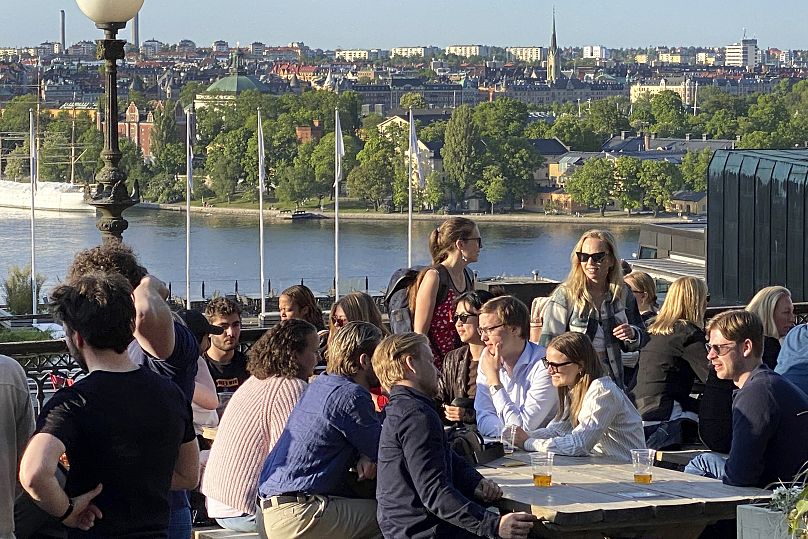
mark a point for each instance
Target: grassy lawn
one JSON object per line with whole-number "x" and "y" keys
{"x": 22, "y": 335}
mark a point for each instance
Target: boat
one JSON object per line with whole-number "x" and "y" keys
{"x": 299, "y": 215}
{"x": 51, "y": 196}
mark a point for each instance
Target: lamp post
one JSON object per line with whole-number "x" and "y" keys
{"x": 111, "y": 197}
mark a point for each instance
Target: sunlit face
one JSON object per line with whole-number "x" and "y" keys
{"x": 728, "y": 359}
{"x": 563, "y": 371}
{"x": 783, "y": 315}
{"x": 338, "y": 317}
{"x": 467, "y": 330}
{"x": 492, "y": 331}
{"x": 288, "y": 308}
{"x": 471, "y": 245}
{"x": 232, "y": 331}
{"x": 426, "y": 375}
{"x": 596, "y": 273}
{"x": 308, "y": 357}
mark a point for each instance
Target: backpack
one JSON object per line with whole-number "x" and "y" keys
{"x": 468, "y": 443}
{"x": 396, "y": 299}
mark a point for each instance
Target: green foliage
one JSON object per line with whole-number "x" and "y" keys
{"x": 413, "y": 100}
{"x": 493, "y": 185}
{"x": 165, "y": 188}
{"x": 503, "y": 117}
{"x": 164, "y": 129}
{"x": 669, "y": 114}
{"x": 575, "y": 134}
{"x": 627, "y": 185}
{"x": 608, "y": 116}
{"x": 370, "y": 180}
{"x": 17, "y": 289}
{"x": 294, "y": 182}
{"x": 659, "y": 179}
{"x": 132, "y": 163}
{"x": 694, "y": 169}
{"x": 16, "y": 116}
{"x": 432, "y": 132}
{"x": 593, "y": 183}
{"x": 323, "y": 163}
{"x": 189, "y": 91}
{"x": 462, "y": 159}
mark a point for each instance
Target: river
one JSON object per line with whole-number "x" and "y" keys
{"x": 224, "y": 248}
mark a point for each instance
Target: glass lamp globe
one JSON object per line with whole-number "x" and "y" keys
{"x": 107, "y": 11}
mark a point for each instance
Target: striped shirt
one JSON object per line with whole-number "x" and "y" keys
{"x": 608, "y": 426}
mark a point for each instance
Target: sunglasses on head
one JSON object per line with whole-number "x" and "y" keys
{"x": 463, "y": 317}
{"x": 597, "y": 258}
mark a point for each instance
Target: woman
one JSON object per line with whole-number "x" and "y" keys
{"x": 643, "y": 287}
{"x": 298, "y": 302}
{"x": 458, "y": 380}
{"x": 453, "y": 245}
{"x": 595, "y": 417}
{"x": 670, "y": 363}
{"x": 280, "y": 363}
{"x": 595, "y": 301}
{"x": 773, "y": 305}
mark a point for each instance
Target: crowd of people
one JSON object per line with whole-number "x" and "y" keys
{"x": 596, "y": 369}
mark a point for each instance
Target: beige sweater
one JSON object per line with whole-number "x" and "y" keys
{"x": 251, "y": 425}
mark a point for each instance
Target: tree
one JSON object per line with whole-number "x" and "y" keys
{"x": 370, "y": 180}
{"x": 164, "y": 129}
{"x": 432, "y": 195}
{"x": 17, "y": 289}
{"x": 461, "y": 152}
{"x": 18, "y": 161}
{"x": 593, "y": 183}
{"x": 493, "y": 185}
{"x": 608, "y": 116}
{"x": 669, "y": 114}
{"x": 502, "y": 117}
{"x": 659, "y": 179}
{"x": 294, "y": 183}
{"x": 16, "y": 116}
{"x": 413, "y": 100}
{"x": 132, "y": 163}
{"x": 189, "y": 91}
{"x": 694, "y": 169}
{"x": 627, "y": 187}
{"x": 323, "y": 163}
{"x": 435, "y": 131}
{"x": 641, "y": 116}
{"x": 575, "y": 134}
{"x": 224, "y": 161}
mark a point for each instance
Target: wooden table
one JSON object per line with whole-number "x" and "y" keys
{"x": 593, "y": 497}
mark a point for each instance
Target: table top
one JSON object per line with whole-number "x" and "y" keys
{"x": 590, "y": 493}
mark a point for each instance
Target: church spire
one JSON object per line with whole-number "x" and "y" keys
{"x": 553, "y": 60}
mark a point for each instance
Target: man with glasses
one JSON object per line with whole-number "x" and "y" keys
{"x": 769, "y": 413}
{"x": 513, "y": 387}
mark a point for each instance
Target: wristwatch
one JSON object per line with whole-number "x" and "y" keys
{"x": 494, "y": 388}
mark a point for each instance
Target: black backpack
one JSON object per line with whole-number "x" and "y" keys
{"x": 396, "y": 299}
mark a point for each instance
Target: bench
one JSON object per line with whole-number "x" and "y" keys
{"x": 219, "y": 533}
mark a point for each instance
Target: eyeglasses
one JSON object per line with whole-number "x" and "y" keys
{"x": 553, "y": 367}
{"x": 338, "y": 322}
{"x": 479, "y": 241}
{"x": 597, "y": 258}
{"x": 717, "y": 348}
{"x": 487, "y": 331}
{"x": 463, "y": 317}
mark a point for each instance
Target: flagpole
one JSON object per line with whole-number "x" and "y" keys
{"x": 338, "y": 150}
{"x": 189, "y": 172}
{"x": 261, "y": 188}
{"x": 33, "y": 166}
{"x": 409, "y": 205}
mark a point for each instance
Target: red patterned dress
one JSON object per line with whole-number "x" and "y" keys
{"x": 443, "y": 337}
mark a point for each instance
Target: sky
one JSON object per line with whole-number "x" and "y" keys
{"x": 328, "y": 24}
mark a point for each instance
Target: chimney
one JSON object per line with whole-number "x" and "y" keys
{"x": 687, "y": 137}
{"x": 623, "y": 135}
{"x": 647, "y": 140}
{"x": 704, "y": 136}
{"x": 136, "y": 33}
{"x": 62, "y": 30}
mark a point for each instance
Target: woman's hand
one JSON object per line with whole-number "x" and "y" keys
{"x": 625, "y": 332}
{"x": 520, "y": 438}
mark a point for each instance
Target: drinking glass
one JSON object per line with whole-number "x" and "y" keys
{"x": 507, "y": 438}
{"x": 542, "y": 464}
{"x": 643, "y": 461}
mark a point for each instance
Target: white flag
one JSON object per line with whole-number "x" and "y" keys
{"x": 189, "y": 154}
{"x": 339, "y": 152}
{"x": 414, "y": 152}
{"x": 32, "y": 153}
{"x": 262, "y": 183}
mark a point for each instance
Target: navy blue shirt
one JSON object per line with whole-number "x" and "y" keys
{"x": 423, "y": 487}
{"x": 769, "y": 426}
{"x": 333, "y": 423}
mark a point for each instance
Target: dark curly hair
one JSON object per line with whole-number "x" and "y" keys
{"x": 111, "y": 257}
{"x": 272, "y": 354}
{"x": 222, "y": 307}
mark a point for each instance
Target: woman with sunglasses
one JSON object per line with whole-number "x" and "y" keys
{"x": 594, "y": 418}
{"x": 455, "y": 244}
{"x": 594, "y": 300}
{"x": 670, "y": 363}
{"x": 458, "y": 380}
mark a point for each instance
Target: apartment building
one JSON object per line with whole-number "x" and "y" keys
{"x": 467, "y": 51}
{"x": 744, "y": 54}
{"x": 525, "y": 54}
{"x": 414, "y": 52}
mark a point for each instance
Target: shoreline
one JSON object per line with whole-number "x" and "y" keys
{"x": 276, "y": 215}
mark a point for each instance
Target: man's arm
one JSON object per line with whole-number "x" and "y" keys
{"x": 205, "y": 394}
{"x": 186, "y": 470}
{"x": 488, "y": 421}
{"x": 360, "y": 424}
{"x": 154, "y": 326}
{"x": 753, "y": 422}
{"x": 539, "y": 406}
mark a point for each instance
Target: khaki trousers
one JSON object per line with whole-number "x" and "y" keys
{"x": 332, "y": 517}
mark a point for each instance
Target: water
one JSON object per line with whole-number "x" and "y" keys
{"x": 224, "y": 248}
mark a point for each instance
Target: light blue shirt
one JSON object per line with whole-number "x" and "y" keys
{"x": 792, "y": 361}
{"x": 528, "y": 399}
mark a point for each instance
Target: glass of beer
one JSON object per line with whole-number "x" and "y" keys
{"x": 542, "y": 464}
{"x": 508, "y": 437}
{"x": 643, "y": 461}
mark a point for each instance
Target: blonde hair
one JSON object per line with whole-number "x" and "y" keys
{"x": 685, "y": 301}
{"x": 511, "y": 312}
{"x": 644, "y": 283}
{"x": 575, "y": 283}
{"x": 442, "y": 239}
{"x": 763, "y": 305}
{"x": 348, "y": 344}
{"x": 737, "y": 326}
{"x": 357, "y": 306}
{"x": 388, "y": 359}
{"x": 577, "y": 348}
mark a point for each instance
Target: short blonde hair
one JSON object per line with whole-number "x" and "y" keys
{"x": 511, "y": 312}
{"x": 348, "y": 344}
{"x": 763, "y": 305}
{"x": 642, "y": 282}
{"x": 737, "y": 326}
{"x": 388, "y": 359}
{"x": 357, "y": 306}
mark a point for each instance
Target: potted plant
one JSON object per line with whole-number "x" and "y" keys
{"x": 785, "y": 516}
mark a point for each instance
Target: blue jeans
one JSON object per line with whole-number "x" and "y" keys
{"x": 707, "y": 465}
{"x": 179, "y": 523}
{"x": 244, "y": 523}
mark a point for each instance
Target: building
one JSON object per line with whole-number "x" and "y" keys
{"x": 414, "y": 52}
{"x": 220, "y": 46}
{"x": 688, "y": 203}
{"x": 671, "y": 57}
{"x": 387, "y": 96}
{"x": 686, "y": 86}
{"x": 151, "y": 47}
{"x": 467, "y": 51}
{"x": 186, "y": 45}
{"x": 227, "y": 88}
{"x": 707, "y": 59}
{"x": 82, "y": 49}
{"x": 352, "y": 55}
{"x": 744, "y": 54}
{"x": 525, "y": 54}
{"x": 136, "y": 126}
{"x": 597, "y": 52}
{"x": 553, "y": 58}
{"x": 257, "y": 49}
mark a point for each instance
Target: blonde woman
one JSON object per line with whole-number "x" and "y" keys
{"x": 643, "y": 287}
{"x": 594, "y": 300}
{"x": 774, "y": 307}
{"x": 595, "y": 418}
{"x": 353, "y": 307}
{"x": 671, "y": 361}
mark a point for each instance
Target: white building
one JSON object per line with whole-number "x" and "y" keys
{"x": 466, "y": 51}
{"x": 220, "y": 46}
{"x": 151, "y": 47}
{"x": 525, "y": 54}
{"x": 257, "y": 49}
{"x": 598, "y": 52}
{"x": 743, "y": 54}
{"x": 413, "y": 52}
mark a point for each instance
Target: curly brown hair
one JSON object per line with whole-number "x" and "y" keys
{"x": 303, "y": 297}
{"x": 273, "y": 353}
{"x": 222, "y": 307}
{"x": 112, "y": 257}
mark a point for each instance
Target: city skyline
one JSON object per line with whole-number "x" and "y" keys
{"x": 379, "y": 24}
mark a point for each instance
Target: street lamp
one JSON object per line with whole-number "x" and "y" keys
{"x": 111, "y": 197}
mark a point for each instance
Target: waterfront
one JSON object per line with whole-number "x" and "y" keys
{"x": 224, "y": 248}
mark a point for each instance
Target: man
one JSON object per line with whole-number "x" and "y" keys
{"x": 16, "y": 426}
{"x": 424, "y": 488}
{"x": 768, "y": 411}
{"x": 513, "y": 387}
{"x": 227, "y": 365}
{"x": 305, "y": 486}
{"x": 126, "y": 430}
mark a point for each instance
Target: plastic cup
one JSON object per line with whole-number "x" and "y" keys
{"x": 507, "y": 438}
{"x": 643, "y": 462}
{"x": 542, "y": 464}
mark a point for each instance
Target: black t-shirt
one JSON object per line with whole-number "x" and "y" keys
{"x": 228, "y": 377}
{"x": 123, "y": 430}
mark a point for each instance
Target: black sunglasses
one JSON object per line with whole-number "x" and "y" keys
{"x": 463, "y": 317}
{"x": 554, "y": 366}
{"x": 479, "y": 241}
{"x": 597, "y": 258}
